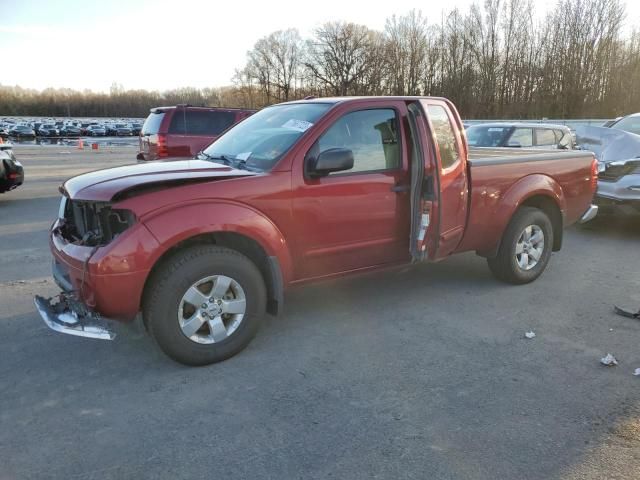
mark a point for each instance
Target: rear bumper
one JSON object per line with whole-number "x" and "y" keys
{"x": 73, "y": 318}
{"x": 590, "y": 214}
{"x": 9, "y": 183}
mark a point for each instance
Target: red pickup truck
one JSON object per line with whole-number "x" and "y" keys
{"x": 298, "y": 192}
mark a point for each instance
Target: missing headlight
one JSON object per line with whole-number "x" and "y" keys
{"x": 94, "y": 223}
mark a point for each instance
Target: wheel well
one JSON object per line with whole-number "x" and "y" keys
{"x": 268, "y": 266}
{"x": 550, "y": 207}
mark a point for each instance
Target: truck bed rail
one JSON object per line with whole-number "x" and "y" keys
{"x": 481, "y": 156}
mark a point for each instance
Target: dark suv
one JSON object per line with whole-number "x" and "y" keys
{"x": 183, "y": 130}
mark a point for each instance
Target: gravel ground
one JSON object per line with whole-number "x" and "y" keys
{"x": 423, "y": 373}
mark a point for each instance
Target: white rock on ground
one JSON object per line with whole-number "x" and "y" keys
{"x": 609, "y": 360}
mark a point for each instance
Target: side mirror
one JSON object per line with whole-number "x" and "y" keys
{"x": 331, "y": 160}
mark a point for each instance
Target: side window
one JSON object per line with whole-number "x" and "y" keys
{"x": 559, "y": 135}
{"x": 545, "y": 137}
{"x": 372, "y": 135}
{"x": 445, "y": 136}
{"x": 177, "y": 125}
{"x": 202, "y": 122}
{"x": 521, "y": 137}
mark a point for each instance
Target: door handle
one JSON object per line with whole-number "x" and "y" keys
{"x": 400, "y": 188}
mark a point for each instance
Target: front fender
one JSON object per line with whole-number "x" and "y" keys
{"x": 187, "y": 220}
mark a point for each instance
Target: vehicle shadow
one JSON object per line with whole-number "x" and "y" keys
{"x": 612, "y": 226}
{"x": 329, "y": 359}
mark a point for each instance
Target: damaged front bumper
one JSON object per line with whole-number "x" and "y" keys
{"x": 72, "y": 317}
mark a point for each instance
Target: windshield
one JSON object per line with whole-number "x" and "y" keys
{"x": 629, "y": 124}
{"x": 262, "y": 139}
{"x": 481, "y": 136}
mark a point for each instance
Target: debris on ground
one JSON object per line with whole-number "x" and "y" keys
{"x": 636, "y": 372}
{"x": 530, "y": 335}
{"x": 609, "y": 360}
{"x": 626, "y": 313}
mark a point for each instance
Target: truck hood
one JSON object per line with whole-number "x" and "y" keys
{"x": 120, "y": 182}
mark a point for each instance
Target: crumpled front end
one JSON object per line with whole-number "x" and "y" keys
{"x": 619, "y": 186}
{"x": 101, "y": 259}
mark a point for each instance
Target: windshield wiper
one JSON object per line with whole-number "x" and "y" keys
{"x": 225, "y": 159}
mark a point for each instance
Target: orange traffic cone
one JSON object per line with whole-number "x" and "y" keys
{"x": 80, "y": 144}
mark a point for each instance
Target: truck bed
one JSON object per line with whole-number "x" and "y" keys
{"x": 480, "y": 156}
{"x": 500, "y": 178}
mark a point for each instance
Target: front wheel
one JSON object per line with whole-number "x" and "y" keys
{"x": 205, "y": 304}
{"x": 525, "y": 249}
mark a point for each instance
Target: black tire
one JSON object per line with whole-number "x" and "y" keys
{"x": 172, "y": 279}
{"x": 505, "y": 265}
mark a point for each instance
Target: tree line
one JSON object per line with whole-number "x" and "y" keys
{"x": 496, "y": 60}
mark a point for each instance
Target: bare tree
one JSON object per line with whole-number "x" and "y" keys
{"x": 340, "y": 56}
{"x": 274, "y": 63}
{"x": 492, "y": 60}
{"x": 406, "y": 52}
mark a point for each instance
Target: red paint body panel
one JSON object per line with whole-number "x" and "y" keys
{"x": 316, "y": 227}
{"x": 498, "y": 191}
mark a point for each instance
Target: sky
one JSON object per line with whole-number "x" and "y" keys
{"x": 164, "y": 44}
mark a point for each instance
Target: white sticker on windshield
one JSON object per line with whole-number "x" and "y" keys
{"x": 495, "y": 129}
{"x": 300, "y": 125}
{"x": 243, "y": 155}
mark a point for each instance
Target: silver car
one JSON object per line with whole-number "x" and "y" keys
{"x": 618, "y": 152}
{"x": 520, "y": 135}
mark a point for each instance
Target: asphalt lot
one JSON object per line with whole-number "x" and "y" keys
{"x": 419, "y": 374}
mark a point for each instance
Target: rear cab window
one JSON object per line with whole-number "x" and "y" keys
{"x": 152, "y": 123}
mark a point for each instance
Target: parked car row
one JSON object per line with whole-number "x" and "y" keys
{"x": 68, "y": 128}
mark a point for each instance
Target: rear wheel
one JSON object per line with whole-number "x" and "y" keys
{"x": 205, "y": 304}
{"x": 525, "y": 249}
